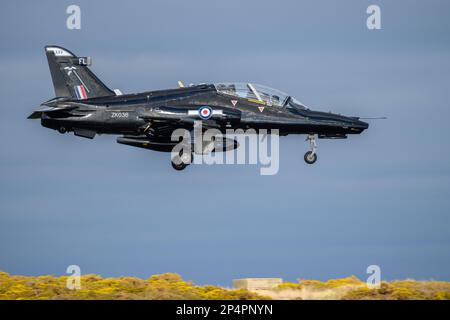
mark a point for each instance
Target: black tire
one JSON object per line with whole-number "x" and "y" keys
{"x": 177, "y": 164}
{"x": 310, "y": 158}
{"x": 62, "y": 130}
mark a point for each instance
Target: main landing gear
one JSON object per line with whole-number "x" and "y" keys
{"x": 311, "y": 156}
{"x": 182, "y": 160}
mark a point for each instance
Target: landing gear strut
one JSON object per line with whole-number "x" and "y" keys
{"x": 311, "y": 156}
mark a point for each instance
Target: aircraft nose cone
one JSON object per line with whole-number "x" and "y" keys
{"x": 361, "y": 124}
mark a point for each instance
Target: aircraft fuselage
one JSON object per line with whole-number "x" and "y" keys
{"x": 131, "y": 114}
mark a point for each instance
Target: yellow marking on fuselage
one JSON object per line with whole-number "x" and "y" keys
{"x": 257, "y": 101}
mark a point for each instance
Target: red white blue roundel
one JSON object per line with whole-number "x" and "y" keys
{"x": 205, "y": 112}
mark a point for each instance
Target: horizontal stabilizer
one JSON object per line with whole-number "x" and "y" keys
{"x": 44, "y": 108}
{"x": 35, "y": 115}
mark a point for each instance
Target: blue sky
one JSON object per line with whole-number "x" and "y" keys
{"x": 378, "y": 198}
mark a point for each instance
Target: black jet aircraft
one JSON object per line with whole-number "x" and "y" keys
{"x": 85, "y": 106}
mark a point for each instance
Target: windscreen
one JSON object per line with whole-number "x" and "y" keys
{"x": 263, "y": 94}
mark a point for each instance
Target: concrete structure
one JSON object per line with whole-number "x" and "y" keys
{"x": 257, "y": 283}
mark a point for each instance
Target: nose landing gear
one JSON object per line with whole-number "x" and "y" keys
{"x": 311, "y": 156}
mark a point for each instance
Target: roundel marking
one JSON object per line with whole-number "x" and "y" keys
{"x": 205, "y": 112}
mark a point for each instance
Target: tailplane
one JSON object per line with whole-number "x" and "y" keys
{"x": 72, "y": 77}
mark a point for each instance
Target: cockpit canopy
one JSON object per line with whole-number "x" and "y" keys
{"x": 263, "y": 94}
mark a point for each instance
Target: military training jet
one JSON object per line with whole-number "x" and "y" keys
{"x": 86, "y": 107}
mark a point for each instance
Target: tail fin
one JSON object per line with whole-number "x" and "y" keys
{"x": 71, "y": 76}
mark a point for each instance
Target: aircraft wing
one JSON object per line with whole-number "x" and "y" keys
{"x": 166, "y": 145}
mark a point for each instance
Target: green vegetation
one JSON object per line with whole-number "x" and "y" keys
{"x": 170, "y": 286}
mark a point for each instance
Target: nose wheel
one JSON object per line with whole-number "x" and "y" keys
{"x": 311, "y": 156}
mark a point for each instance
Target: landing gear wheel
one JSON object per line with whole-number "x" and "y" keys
{"x": 177, "y": 164}
{"x": 181, "y": 161}
{"x": 62, "y": 130}
{"x": 310, "y": 157}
